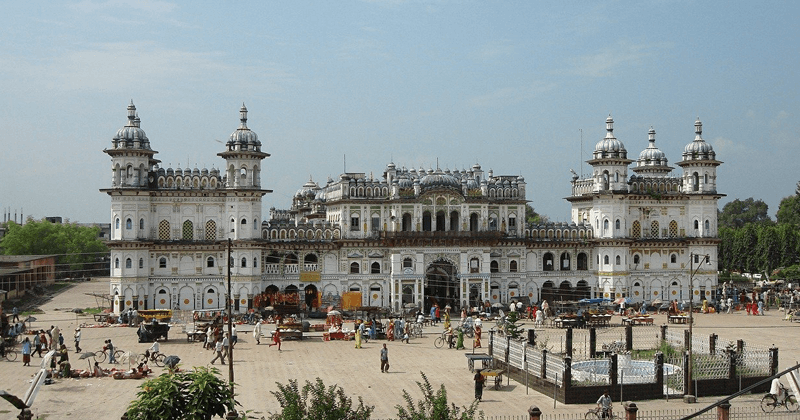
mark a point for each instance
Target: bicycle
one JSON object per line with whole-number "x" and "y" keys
{"x": 597, "y": 413}
{"x": 443, "y": 339}
{"x": 157, "y": 358}
{"x": 119, "y": 355}
{"x": 770, "y": 401}
{"x": 11, "y": 355}
{"x": 416, "y": 330}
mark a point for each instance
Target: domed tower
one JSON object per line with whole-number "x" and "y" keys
{"x": 652, "y": 161}
{"x": 610, "y": 162}
{"x": 131, "y": 156}
{"x": 699, "y": 165}
{"x": 243, "y": 158}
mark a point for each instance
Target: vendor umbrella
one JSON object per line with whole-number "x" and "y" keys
{"x": 29, "y": 321}
{"x": 334, "y": 313}
{"x": 497, "y": 305}
{"x": 171, "y": 361}
{"x": 621, "y": 300}
{"x": 86, "y": 355}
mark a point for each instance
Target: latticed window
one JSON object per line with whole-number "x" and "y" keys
{"x": 654, "y": 229}
{"x": 211, "y": 230}
{"x": 188, "y": 230}
{"x": 163, "y": 230}
{"x": 636, "y": 230}
{"x": 673, "y": 229}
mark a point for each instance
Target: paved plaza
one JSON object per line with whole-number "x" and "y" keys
{"x": 357, "y": 371}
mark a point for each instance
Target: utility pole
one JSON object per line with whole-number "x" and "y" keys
{"x": 692, "y": 272}
{"x": 229, "y": 307}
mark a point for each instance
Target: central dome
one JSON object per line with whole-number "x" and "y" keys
{"x": 609, "y": 146}
{"x": 244, "y": 135}
{"x": 131, "y": 133}
{"x": 652, "y": 155}
{"x": 439, "y": 179}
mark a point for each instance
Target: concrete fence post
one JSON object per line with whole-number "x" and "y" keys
{"x": 613, "y": 373}
{"x": 724, "y": 411}
{"x": 568, "y": 342}
{"x": 773, "y": 360}
{"x": 592, "y": 342}
{"x": 491, "y": 343}
{"x": 629, "y": 337}
{"x": 664, "y": 332}
{"x": 660, "y": 370}
{"x": 544, "y": 364}
{"x": 630, "y": 410}
{"x": 712, "y": 344}
{"x": 534, "y": 413}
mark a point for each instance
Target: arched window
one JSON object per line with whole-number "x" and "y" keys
{"x": 618, "y": 261}
{"x": 426, "y": 221}
{"x": 141, "y": 224}
{"x": 162, "y": 262}
{"x": 128, "y": 224}
{"x": 636, "y": 259}
{"x": 116, "y": 262}
{"x": 355, "y": 268}
{"x": 673, "y": 258}
{"x": 116, "y": 224}
{"x": 255, "y": 224}
{"x": 654, "y": 229}
{"x": 706, "y": 225}
{"x": 211, "y": 230}
{"x": 696, "y": 182}
{"x": 492, "y": 223}
{"x": 440, "y": 221}
{"x": 163, "y": 230}
{"x": 210, "y": 262}
{"x": 128, "y": 263}
{"x": 244, "y": 262}
{"x": 474, "y": 265}
{"x": 473, "y": 222}
{"x": 636, "y": 230}
{"x": 255, "y": 262}
{"x": 512, "y": 266}
{"x": 547, "y": 262}
{"x": 605, "y": 259}
{"x": 188, "y": 230}
{"x": 605, "y": 225}
{"x": 408, "y": 263}
{"x": 565, "y": 261}
{"x": 583, "y": 261}
{"x": 696, "y": 224}
{"x": 454, "y": 220}
{"x": 141, "y": 263}
{"x": 406, "y": 222}
{"x": 494, "y": 267}
{"x": 375, "y": 268}
{"x": 244, "y": 222}
{"x": 616, "y": 224}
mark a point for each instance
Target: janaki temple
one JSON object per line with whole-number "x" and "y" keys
{"x": 409, "y": 237}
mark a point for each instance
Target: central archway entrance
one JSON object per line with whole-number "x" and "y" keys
{"x": 441, "y": 285}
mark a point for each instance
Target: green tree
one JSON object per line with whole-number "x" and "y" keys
{"x": 315, "y": 401}
{"x": 198, "y": 395}
{"x": 512, "y": 328}
{"x": 535, "y": 218}
{"x": 789, "y": 211}
{"x": 434, "y": 405}
{"x": 75, "y": 245}
{"x": 738, "y": 213}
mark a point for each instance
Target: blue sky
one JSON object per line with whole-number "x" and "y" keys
{"x": 511, "y": 85}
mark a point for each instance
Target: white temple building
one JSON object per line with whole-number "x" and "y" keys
{"x": 410, "y": 237}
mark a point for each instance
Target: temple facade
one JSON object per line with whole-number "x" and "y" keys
{"x": 408, "y": 237}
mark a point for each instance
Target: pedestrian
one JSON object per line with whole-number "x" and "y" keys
{"x": 460, "y": 341}
{"x": 234, "y": 336}
{"x": 257, "y": 333}
{"x": 60, "y": 340}
{"x": 218, "y": 350}
{"x": 110, "y": 347}
{"x": 50, "y": 337}
{"x": 276, "y": 339}
{"x": 15, "y": 314}
{"x": 226, "y": 344}
{"x": 438, "y": 315}
{"x": 604, "y": 402}
{"x": 477, "y": 343}
{"x": 78, "y": 340}
{"x": 43, "y": 339}
{"x": 373, "y": 334}
{"x": 384, "y": 359}
{"x": 730, "y": 305}
{"x": 390, "y": 330}
{"x": 210, "y": 338}
{"x": 37, "y": 344}
{"x": 446, "y": 318}
{"x": 358, "y": 337}
{"x": 479, "y": 380}
{"x": 26, "y": 352}
{"x": 433, "y": 315}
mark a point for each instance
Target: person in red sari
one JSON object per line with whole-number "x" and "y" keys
{"x": 276, "y": 339}
{"x": 390, "y": 330}
{"x": 477, "y": 336}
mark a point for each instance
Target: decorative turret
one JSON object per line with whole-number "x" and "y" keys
{"x": 699, "y": 164}
{"x": 131, "y": 156}
{"x": 610, "y": 162}
{"x": 652, "y": 161}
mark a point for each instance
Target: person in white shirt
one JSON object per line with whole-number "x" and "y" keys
{"x": 151, "y": 353}
{"x": 257, "y": 332}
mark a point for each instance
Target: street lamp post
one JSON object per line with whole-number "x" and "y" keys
{"x": 229, "y": 307}
{"x": 692, "y": 272}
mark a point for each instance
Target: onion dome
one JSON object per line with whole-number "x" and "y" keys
{"x": 698, "y": 149}
{"x": 390, "y": 166}
{"x": 404, "y": 182}
{"x": 439, "y": 179}
{"x": 243, "y": 135}
{"x": 131, "y": 136}
{"x": 652, "y": 155}
{"x": 308, "y": 190}
{"x": 609, "y": 146}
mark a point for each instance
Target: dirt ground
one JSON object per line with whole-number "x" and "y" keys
{"x": 258, "y": 367}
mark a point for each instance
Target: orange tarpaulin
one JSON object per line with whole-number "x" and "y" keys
{"x": 351, "y": 300}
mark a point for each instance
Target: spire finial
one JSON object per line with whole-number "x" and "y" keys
{"x": 651, "y": 135}
{"x": 131, "y": 113}
{"x": 243, "y": 116}
{"x": 698, "y": 130}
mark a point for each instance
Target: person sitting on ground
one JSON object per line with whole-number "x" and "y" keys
{"x": 98, "y": 372}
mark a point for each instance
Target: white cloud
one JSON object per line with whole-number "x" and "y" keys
{"x": 493, "y": 50}
{"x": 608, "y": 60}
{"x": 509, "y": 95}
